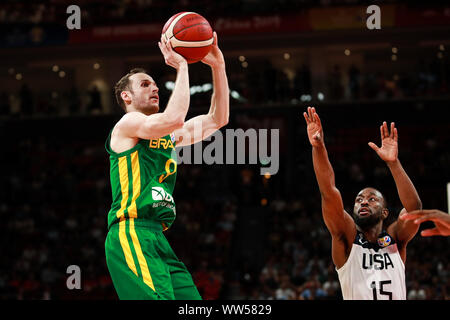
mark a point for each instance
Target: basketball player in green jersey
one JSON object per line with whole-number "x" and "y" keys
{"x": 143, "y": 170}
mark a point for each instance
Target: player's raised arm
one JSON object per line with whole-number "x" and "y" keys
{"x": 339, "y": 223}
{"x": 409, "y": 197}
{"x": 156, "y": 125}
{"x": 219, "y": 110}
{"x": 388, "y": 152}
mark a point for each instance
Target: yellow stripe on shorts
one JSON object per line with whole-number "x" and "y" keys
{"x": 126, "y": 247}
{"x": 142, "y": 262}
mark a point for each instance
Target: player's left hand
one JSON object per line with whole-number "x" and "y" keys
{"x": 214, "y": 58}
{"x": 389, "y": 143}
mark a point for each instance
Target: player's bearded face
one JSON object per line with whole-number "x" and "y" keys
{"x": 368, "y": 221}
{"x": 368, "y": 210}
{"x": 145, "y": 94}
{"x": 144, "y": 102}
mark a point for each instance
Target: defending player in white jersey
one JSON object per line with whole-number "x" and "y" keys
{"x": 369, "y": 260}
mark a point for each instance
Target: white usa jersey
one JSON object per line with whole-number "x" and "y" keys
{"x": 373, "y": 271}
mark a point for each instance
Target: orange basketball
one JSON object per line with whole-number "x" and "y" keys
{"x": 190, "y": 35}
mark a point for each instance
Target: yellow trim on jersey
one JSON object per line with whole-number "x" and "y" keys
{"x": 142, "y": 262}
{"x": 123, "y": 175}
{"x": 136, "y": 172}
{"x": 126, "y": 247}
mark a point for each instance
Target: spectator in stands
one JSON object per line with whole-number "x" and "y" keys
{"x": 95, "y": 105}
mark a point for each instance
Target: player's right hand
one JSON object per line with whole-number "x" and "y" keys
{"x": 314, "y": 127}
{"x": 171, "y": 58}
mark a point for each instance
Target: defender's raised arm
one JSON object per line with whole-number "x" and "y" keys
{"x": 403, "y": 230}
{"x": 339, "y": 223}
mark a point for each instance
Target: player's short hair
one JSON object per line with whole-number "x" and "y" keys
{"x": 125, "y": 84}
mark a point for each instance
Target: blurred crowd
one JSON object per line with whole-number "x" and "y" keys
{"x": 259, "y": 84}
{"x": 263, "y": 84}
{"x": 55, "y": 196}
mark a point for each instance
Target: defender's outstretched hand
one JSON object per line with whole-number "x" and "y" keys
{"x": 389, "y": 145}
{"x": 441, "y": 221}
{"x": 171, "y": 58}
{"x": 214, "y": 58}
{"x": 314, "y": 127}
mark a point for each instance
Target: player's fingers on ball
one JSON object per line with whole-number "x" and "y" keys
{"x": 164, "y": 48}
{"x": 165, "y": 41}
{"x": 169, "y": 45}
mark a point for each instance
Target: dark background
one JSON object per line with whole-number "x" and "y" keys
{"x": 242, "y": 236}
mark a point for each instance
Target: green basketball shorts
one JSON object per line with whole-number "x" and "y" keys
{"x": 142, "y": 264}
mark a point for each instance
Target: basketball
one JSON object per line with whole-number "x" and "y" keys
{"x": 190, "y": 34}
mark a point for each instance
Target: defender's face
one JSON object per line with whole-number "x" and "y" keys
{"x": 144, "y": 93}
{"x": 368, "y": 208}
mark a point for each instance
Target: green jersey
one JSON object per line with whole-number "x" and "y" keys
{"x": 142, "y": 182}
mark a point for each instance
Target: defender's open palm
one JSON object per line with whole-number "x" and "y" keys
{"x": 389, "y": 143}
{"x": 314, "y": 127}
{"x": 441, "y": 221}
